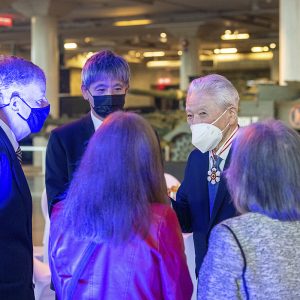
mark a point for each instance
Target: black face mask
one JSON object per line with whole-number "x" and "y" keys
{"x": 107, "y": 104}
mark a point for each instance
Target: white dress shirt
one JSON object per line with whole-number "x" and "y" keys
{"x": 97, "y": 122}
{"x": 223, "y": 154}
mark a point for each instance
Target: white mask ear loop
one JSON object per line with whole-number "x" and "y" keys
{"x": 219, "y": 117}
{"x": 225, "y": 128}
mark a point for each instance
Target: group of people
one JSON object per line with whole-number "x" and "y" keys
{"x": 115, "y": 234}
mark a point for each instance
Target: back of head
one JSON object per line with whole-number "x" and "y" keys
{"x": 265, "y": 169}
{"x": 16, "y": 70}
{"x": 105, "y": 64}
{"x": 218, "y": 87}
{"x": 120, "y": 175}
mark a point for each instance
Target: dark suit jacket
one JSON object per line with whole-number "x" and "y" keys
{"x": 64, "y": 151}
{"x": 192, "y": 203}
{"x": 16, "y": 253}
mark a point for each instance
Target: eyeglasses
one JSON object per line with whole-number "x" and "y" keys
{"x": 40, "y": 103}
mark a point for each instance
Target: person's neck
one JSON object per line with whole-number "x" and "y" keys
{"x": 95, "y": 115}
{"x": 225, "y": 138}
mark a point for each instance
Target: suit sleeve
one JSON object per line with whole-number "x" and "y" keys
{"x": 56, "y": 171}
{"x": 175, "y": 277}
{"x": 181, "y": 205}
{"x": 5, "y": 179}
{"x": 220, "y": 276}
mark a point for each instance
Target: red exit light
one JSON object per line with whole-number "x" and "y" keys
{"x": 6, "y": 21}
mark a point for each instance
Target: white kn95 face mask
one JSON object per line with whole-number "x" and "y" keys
{"x": 205, "y": 136}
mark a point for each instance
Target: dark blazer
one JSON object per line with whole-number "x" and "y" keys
{"x": 192, "y": 203}
{"x": 64, "y": 151}
{"x": 16, "y": 253}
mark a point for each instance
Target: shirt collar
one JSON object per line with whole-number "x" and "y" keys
{"x": 97, "y": 122}
{"x": 224, "y": 153}
{"x": 11, "y": 136}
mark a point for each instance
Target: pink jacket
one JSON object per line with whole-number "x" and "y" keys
{"x": 152, "y": 268}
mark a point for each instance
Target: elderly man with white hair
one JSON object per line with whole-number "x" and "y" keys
{"x": 203, "y": 200}
{"x": 23, "y": 110}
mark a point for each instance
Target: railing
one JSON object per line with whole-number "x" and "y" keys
{"x": 37, "y": 149}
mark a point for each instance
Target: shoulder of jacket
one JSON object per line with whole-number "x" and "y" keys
{"x": 245, "y": 225}
{"x": 72, "y": 126}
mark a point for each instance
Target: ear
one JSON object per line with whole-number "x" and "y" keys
{"x": 15, "y": 104}
{"x": 85, "y": 93}
{"x": 126, "y": 90}
{"x": 233, "y": 115}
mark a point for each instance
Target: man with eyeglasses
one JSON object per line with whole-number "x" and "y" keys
{"x": 23, "y": 110}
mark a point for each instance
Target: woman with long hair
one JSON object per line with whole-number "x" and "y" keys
{"x": 115, "y": 236}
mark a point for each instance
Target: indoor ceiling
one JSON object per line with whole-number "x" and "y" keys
{"x": 90, "y": 23}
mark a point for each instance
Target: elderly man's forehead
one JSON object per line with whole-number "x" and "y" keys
{"x": 37, "y": 85}
{"x": 197, "y": 96}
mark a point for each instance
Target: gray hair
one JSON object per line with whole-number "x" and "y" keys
{"x": 217, "y": 86}
{"x": 15, "y": 69}
{"x": 264, "y": 172}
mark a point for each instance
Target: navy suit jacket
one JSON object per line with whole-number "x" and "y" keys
{"x": 16, "y": 253}
{"x": 65, "y": 148}
{"x": 192, "y": 203}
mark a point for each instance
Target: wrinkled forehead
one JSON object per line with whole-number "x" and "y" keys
{"x": 196, "y": 97}
{"x": 37, "y": 87}
{"x": 33, "y": 88}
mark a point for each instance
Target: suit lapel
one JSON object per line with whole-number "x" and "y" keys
{"x": 88, "y": 129}
{"x": 202, "y": 171}
{"x": 221, "y": 193}
{"x": 16, "y": 167}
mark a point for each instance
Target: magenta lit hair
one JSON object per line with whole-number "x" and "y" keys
{"x": 119, "y": 176}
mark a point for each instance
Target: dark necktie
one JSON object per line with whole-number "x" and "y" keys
{"x": 19, "y": 154}
{"x": 213, "y": 188}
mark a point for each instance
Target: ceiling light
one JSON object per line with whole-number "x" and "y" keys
{"x": 133, "y": 22}
{"x": 234, "y": 36}
{"x": 163, "y": 63}
{"x": 163, "y": 35}
{"x": 225, "y": 51}
{"x": 163, "y": 40}
{"x": 272, "y": 45}
{"x": 69, "y": 46}
{"x": 179, "y": 52}
{"x": 163, "y": 80}
{"x": 260, "y": 49}
{"x": 154, "y": 54}
{"x": 87, "y": 39}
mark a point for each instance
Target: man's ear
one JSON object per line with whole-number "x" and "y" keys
{"x": 15, "y": 103}
{"x": 233, "y": 115}
{"x": 126, "y": 90}
{"x": 84, "y": 92}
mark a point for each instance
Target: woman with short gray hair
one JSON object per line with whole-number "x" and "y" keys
{"x": 257, "y": 255}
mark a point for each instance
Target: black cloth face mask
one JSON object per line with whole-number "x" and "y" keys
{"x": 107, "y": 104}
